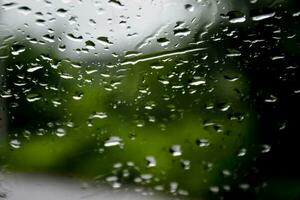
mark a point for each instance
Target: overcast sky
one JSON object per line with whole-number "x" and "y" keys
{"x": 133, "y": 25}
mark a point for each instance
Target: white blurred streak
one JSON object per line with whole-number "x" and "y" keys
{"x": 29, "y": 187}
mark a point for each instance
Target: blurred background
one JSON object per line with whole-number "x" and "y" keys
{"x": 193, "y": 99}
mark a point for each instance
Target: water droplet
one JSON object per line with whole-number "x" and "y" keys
{"x": 214, "y": 189}
{"x": 231, "y": 78}
{"x": 198, "y": 82}
{"x": 8, "y": 5}
{"x": 62, "y": 47}
{"x": 242, "y": 152}
{"x": 49, "y": 38}
{"x": 173, "y": 187}
{"x": 60, "y": 132}
{"x": 61, "y": 12}
{"x": 71, "y": 36}
{"x": 156, "y": 66}
{"x": 33, "y": 69}
{"x": 146, "y": 176}
{"x": 151, "y": 161}
{"x": 70, "y": 124}
{"x": 98, "y": 115}
{"x": 24, "y": 10}
{"x": 244, "y": 186}
{"x": 66, "y": 76}
{"x": 33, "y": 97}
{"x": 90, "y": 45}
{"x": 189, "y": 7}
{"x": 253, "y": 1}
{"x": 227, "y": 188}
{"x": 16, "y": 144}
{"x": 111, "y": 178}
{"x": 224, "y": 107}
{"x": 238, "y": 20}
{"x": 115, "y": 2}
{"x": 114, "y": 181}
{"x": 226, "y": 173}
{"x": 296, "y": 14}
{"x": 271, "y": 99}
{"x": 182, "y": 32}
{"x": 17, "y": 49}
{"x": 26, "y": 134}
{"x": 104, "y": 41}
{"x": 116, "y": 185}
{"x": 265, "y": 148}
{"x": 263, "y": 16}
{"x": 236, "y": 17}
{"x": 163, "y": 41}
{"x": 78, "y": 95}
{"x": 175, "y": 150}
{"x": 186, "y": 164}
{"x": 113, "y": 141}
{"x": 202, "y": 142}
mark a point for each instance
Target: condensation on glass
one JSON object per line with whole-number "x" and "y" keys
{"x": 185, "y": 99}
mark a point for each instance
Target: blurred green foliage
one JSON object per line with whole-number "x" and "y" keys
{"x": 146, "y": 114}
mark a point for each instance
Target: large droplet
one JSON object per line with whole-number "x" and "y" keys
{"x": 16, "y": 144}
{"x": 175, "y": 150}
{"x": 60, "y": 132}
{"x": 151, "y": 161}
{"x": 113, "y": 141}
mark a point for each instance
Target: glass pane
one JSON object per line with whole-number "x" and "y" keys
{"x": 149, "y": 99}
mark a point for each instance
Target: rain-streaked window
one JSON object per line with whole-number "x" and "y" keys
{"x": 149, "y": 99}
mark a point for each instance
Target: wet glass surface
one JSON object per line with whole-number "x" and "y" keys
{"x": 192, "y": 99}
